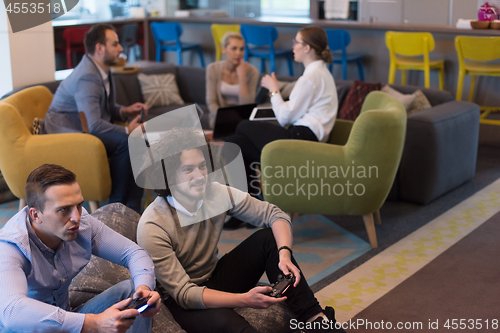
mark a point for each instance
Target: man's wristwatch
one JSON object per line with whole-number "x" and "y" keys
{"x": 272, "y": 93}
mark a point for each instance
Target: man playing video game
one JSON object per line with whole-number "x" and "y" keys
{"x": 46, "y": 244}
{"x": 181, "y": 230}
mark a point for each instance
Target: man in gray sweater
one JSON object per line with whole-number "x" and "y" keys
{"x": 182, "y": 227}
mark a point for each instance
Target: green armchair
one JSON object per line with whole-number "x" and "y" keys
{"x": 352, "y": 174}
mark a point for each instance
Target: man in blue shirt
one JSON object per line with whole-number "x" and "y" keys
{"x": 46, "y": 244}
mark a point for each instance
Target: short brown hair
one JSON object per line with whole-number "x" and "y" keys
{"x": 41, "y": 179}
{"x": 96, "y": 34}
{"x": 317, "y": 39}
{"x": 169, "y": 149}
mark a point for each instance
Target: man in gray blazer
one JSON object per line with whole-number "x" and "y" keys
{"x": 90, "y": 88}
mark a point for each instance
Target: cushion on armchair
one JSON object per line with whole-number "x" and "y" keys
{"x": 354, "y": 100}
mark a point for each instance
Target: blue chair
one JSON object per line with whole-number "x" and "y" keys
{"x": 337, "y": 42}
{"x": 261, "y": 39}
{"x": 166, "y": 35}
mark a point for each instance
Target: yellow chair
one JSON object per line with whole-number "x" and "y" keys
{"x": 410, "y": 45}
{"x": 479, "y": 50}
{"x": 218, "y": 31}
{"x": 21, "y": 152}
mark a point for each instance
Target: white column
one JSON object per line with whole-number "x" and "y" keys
{"x": 26, "y": 57}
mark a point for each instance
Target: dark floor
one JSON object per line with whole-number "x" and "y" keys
{"x": 400, "y": 218}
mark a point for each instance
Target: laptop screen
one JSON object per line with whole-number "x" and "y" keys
{"x": 229, "y": 117}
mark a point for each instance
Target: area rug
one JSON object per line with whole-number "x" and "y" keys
{"x": 360, "y": 288}
{"x": 456, "y": 291}
{"x": 319, "y": 245}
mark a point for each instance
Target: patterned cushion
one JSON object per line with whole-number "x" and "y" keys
{"x": 354, "y": 100}
{"x": 405, "y": 99}
{"x": 420, "y": 103}
{"x": 159, "y": 89}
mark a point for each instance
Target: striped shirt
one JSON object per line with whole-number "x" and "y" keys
{"x": 34, "y": 279}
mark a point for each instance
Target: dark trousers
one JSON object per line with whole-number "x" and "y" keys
{"x": 123, "y": 186}
{"x": 252, "y": 136}
{"x": 237, "y": 272}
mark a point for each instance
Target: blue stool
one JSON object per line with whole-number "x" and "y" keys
{"x": 166, "y": 35}
{"x": 337, "y": 42}
{"x": 262, "y": 39}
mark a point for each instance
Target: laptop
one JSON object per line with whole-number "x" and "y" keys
{"x": 229, "y": 117}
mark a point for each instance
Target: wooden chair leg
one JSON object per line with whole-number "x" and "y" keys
{"x": 94, "y": 205}
{"x": 22, "y": 203}
{"x": 370, "y": 229}
{"x": 378, "y": 220}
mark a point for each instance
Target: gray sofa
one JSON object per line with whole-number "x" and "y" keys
{"x": 101, "y": 274}
{"x": 441, "y": 142}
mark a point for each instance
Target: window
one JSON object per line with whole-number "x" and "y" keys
{"x": 291, "y": 8}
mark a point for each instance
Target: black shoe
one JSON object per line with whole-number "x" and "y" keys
{"x": 233, "y": 224}
{"x": 320, "y": 325}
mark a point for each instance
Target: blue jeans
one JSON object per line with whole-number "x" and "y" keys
{"x": 109, "y": 297}
{"x": 123, "y": 186}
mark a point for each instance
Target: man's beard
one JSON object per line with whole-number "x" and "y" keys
{"x": 110, "y": 61}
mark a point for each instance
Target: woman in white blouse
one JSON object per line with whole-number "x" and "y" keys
{"x": 310, "y": 112}
{"x": 232, "y": 81}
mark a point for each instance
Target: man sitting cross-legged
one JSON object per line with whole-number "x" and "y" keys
{"x": 46, "y": 244}
{"x": 182, "y": 227}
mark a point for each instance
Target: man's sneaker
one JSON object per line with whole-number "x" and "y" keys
{"x": 320, "y": 325}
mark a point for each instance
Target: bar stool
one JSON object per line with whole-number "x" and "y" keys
{"x": 262, "y": 39}
{"x": 478, "y": 50}
{"x": 167, "y": 38}
{"x": 74, "y": 37}
{"x": 337, "y": 42}
{"x": 410, "y": 45}
{"x": 218, "y": 31}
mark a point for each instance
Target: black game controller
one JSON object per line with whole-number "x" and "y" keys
{"x": 282, "y": 285}
{"x": 140, "y": 304}
{"x": 141, "y": 117}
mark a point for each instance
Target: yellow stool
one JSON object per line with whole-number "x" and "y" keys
{"x": 479, "y": 50}
{"x": 410, "y": 45}
{"x": 218, "y": 31}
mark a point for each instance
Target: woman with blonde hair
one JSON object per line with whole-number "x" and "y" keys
{"x": 310, "y": 112}
{"x": 232, "y": 81}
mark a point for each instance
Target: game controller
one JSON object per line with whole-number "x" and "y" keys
{"x": 140, "y": 304}
{"x": 141, "y": 117}
{"x": 282, "y": 285}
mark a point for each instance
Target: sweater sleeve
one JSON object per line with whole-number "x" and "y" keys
{"x": 169, "y": 271}
{"x": 211, "y": 91}
{"x": 262, "y": 214}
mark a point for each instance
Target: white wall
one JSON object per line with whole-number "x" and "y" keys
{"x": 26, "y": 57}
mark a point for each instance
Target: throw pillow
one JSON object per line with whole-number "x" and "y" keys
{"x": 406, "y": 100}
{"x": 420, "y": 103}
{"x": 36, "y": 126}
{"x": 159, "y": 89}
{"x": 355, "y": 97}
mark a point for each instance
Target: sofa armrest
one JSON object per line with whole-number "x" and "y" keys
{"x": 440, "y": 151}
